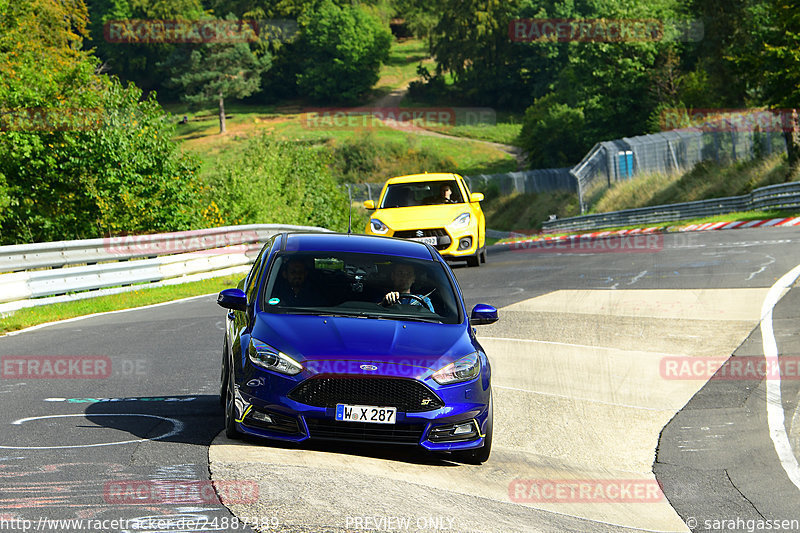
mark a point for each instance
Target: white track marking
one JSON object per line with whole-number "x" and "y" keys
{"x": 177, "y": 427}
{"x": 762, "y": 269}
{"x": 638, "y": 277}
{"x": 75, "y": 319}
{"x": 775, "y": 414}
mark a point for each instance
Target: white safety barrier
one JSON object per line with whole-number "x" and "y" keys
{"x": 58, "y": 268}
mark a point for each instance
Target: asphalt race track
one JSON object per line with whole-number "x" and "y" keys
{"x": 605, "y": 417}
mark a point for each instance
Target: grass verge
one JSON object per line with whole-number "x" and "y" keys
{"x": 526, "y": 212}
{"x": 707, "y": 179}
{"x": 32, "y": 316}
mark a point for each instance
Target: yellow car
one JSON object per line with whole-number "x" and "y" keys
{"x": 437, "y": 209}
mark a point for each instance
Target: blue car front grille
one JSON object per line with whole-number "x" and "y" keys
{"x": 363, "y": 432}
{"x": 407, "y": 395}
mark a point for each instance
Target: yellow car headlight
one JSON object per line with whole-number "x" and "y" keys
{"x": 377, "y": 226}
{"x": 461, "y": 221}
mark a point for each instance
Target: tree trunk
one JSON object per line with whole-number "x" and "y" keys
{"x": 221, "y": 114}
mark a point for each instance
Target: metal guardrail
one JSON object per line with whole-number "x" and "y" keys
{"x": 64, "y": 253}
{"x": 34, "y": 271}
{"x": 783, "y": 196}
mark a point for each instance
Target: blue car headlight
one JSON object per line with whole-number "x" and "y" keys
{"x": 265, "y": 356}
{"x": 461, "y": 221}
{"x": 378, "y": 226}
{"x": 464, "y": 369}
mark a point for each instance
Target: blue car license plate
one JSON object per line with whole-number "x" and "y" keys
{"x": 366, "y": 413}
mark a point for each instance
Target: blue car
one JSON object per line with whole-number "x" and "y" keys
{"x": 356, "y": 338}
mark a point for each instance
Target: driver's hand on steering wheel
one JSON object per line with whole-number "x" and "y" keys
{"x": 392, "y": 298}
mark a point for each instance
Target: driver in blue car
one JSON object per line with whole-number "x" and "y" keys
{"x": 403, "y": 277}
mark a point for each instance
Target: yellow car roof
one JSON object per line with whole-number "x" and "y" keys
{"x": 412, "y": 178}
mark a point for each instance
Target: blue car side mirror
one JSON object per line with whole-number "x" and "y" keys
{"x": 234, "y": 299}
{"x": 483, "y": 314}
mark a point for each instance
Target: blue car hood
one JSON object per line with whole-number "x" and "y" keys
{"x": 313, "y": 338}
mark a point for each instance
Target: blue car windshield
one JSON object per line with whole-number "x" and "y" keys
{"x": 360, "y": 285}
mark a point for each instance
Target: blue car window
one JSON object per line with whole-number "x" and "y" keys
{"x": 359, "y": 284}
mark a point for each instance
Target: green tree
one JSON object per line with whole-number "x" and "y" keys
{"x": 5, "y": 199}
{"x": 120, "y": 174}
{"x": 421, "y": 16}
{"x": 141, "y": 63}
{"x": 218, "y": 71}
{"x": 82, "y": 155}
{"x": 553, "y": 133}
{"x": 342, "y": 49}
{"x": 780, "y": 70}
{"x": 733, "y": 36}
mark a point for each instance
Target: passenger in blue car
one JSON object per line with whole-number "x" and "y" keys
{"x": 403, "y": 277}
{"x": 295, "y": 289}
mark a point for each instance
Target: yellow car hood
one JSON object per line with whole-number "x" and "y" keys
{"x": 421, "y": 217}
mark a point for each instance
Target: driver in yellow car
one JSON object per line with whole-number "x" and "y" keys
{"x": 403, "y": 276}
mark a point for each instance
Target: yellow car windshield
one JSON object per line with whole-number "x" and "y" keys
{"x": 422, "y": 193}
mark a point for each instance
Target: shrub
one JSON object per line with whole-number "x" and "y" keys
{"x": 123, "y": 175}
{"x": 553, "y": 134}
{"x": 279, "y": 182}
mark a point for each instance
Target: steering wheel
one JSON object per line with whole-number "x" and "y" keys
{"x": 413, "y": 297}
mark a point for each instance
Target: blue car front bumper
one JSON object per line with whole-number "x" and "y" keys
{"x": 265, "y": 406}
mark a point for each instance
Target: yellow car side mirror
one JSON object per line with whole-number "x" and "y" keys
{"x": 369, "y": 204}
{"x": 476, "y": 197}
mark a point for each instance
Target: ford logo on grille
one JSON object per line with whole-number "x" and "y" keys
{"x": 368, "y": 367}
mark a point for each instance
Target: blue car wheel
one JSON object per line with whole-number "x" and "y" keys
{"x": 230, "y": 416}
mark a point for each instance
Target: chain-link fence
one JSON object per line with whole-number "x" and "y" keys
{"x": 527, "y": 181}
{"x": 609, "y": 162}
{"x": 672, "y": 151}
